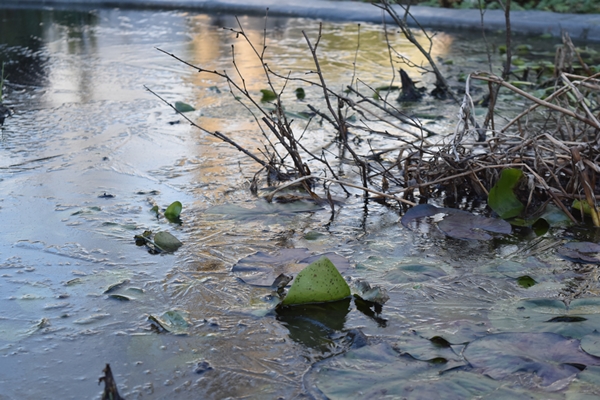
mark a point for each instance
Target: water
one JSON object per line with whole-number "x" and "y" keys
{"x": 89, "y": 151}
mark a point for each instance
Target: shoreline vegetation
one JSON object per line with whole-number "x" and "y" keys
{"x": 558, "y": 6}
{"x": 553, "y": 143}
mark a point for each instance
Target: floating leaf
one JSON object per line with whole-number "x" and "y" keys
{"x": 173, "y": 321}
{"x": 549, "y": 357}
{"x": 173, "y": 211}
{"x": 267, "y": 95}
{"x": 319, "y": 282}
{"x": 502, "y": 198}
{"x": 378, "y": 372}
{"x": 261, "y": 268}
{"x": 183, "y": 107}
{"x": 458, "y": 224}
{"x": 167, "y": 242}
{"x": 581, "y": 252}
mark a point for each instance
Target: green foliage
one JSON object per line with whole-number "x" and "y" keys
{"x": 173, "y": 211}
{"x": 319, "y": 282}
{"x": 267, "y": 95}
{"x": 502, "y": 198}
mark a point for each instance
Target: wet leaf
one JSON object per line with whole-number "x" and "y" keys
{"x": 317, "y": 283}
{"x": 173, "y": 321}
{"x": 115, "y": 286}
{"x": 173, "y": 211}
{"x": 470, "y": 226}
{"x": 374, "y": 294}
{"x": 581, "y": 252}
{"x": 502, "y": 198}
{"x": 548, "y": 357}
{"x": 458, "y": 224}
{"x": 167, "y": 242}
{"x": 183, "y": 107}
{"x": 267, "y": 95}
{"x": 261, "y": 269}
{"x": 425, "y": 349}
{"x": 120, "y": 297}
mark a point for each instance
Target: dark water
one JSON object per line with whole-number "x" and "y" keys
{"x": 89, "y": 151}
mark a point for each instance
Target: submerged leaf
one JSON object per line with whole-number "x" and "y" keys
{"x": 317, "y": 283}
{"x": 502, "y": 198}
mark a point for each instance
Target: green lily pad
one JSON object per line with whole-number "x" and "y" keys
{"x": 183, "y": 107}
{"x": 550, "y": 358}
{"x": 317, "y": 283}
{"x": 502, "y": 198}
{"x": 173, "y": 211}
{"x": 167, "y": 242}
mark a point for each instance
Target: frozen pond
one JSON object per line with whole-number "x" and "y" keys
{"x": 89, "y": 152}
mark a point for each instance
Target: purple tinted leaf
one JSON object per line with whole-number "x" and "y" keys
{"x": 470, "y": 226}
{"x": 548, "y": 356}
{"x": 261, "y": 269}
{"x": 419, "y": 211}
{"x": 583, "y": 252}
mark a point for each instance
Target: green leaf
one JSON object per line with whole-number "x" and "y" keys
{"x": 183, "y": 107}
{"x": 267, "y": 95}
{"x": 317, "y": 283}
{"x": 300, "y": 95}
{"x": 167, "y": 242}
{"x": 173, "y": 211}
{"x": 502, "y": 199}
{"x": 526, "y": 281}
